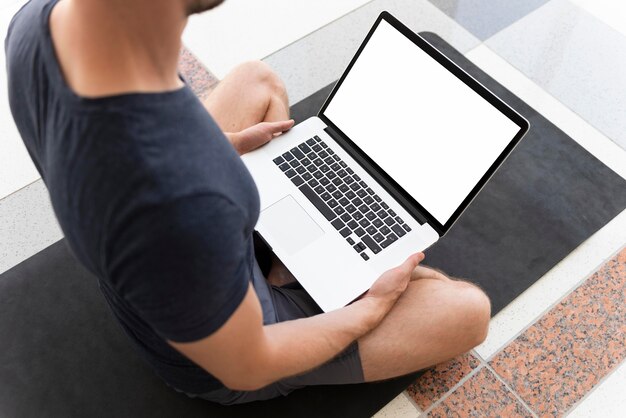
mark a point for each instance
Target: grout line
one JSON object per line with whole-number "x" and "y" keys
{"x": 548, "y": 309}
{"x": 515, "y": 22}
{"x": 315, "y": 30}
{"x": 515, "y": 394}
{"x": 20, "y": 189}
{"x": 454, "y": 388}
{"x": 412, "y": 402}
{"x": 596, "y": 386}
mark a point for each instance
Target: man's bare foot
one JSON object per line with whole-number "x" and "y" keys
{"x": 279, "y": 274}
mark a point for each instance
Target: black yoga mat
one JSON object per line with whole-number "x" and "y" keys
{"x": 546, "y": 199}
{"x": 63, "y": 355}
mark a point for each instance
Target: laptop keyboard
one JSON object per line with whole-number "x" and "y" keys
{"x": 349, "y": 204}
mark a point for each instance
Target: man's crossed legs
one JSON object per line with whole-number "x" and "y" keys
{"x": 436, "y": 318}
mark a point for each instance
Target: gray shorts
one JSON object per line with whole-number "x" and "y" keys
{"x": 283, "y": 304}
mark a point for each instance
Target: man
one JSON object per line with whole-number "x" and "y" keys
{"x": 153, "y": 199}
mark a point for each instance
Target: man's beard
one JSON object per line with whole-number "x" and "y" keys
{"x": 199, "y": 6}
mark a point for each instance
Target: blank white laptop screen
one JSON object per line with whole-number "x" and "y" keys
{"x": 430, "y": 132}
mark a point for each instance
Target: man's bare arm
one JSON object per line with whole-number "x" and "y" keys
{"x": 245, "y": 355}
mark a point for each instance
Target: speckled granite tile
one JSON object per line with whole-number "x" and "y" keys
{"x": 27, "y": 224}
{"x": 433, "y": 384}
{"x": 560, "y": 358}
{"x": 575, "y": 57}
{"x": 197, "y": 76}
{"x": 482, "y": 395}
{"x": 319, "y": 58}
{"x": 486, "y": 17}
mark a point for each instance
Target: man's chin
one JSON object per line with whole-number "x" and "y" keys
{"x": 199, "y": 6}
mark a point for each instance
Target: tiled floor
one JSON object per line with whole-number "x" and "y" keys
{"x": 557, "y": 349}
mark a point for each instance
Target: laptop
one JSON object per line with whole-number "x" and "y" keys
{"x": 402, "y": 145}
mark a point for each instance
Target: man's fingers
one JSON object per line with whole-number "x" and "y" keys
{"x": 409, "y": 265}
{"x": 278, "y": 127}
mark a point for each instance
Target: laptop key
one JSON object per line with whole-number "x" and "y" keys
{"x": 311, "y": 142}
{"x": 297, "y": 180}
{"x": 377, "y": 198}
{"x": 350, "y": 241}
{"x": 300, "y": 169}
{"x": 290, "y": 173}
{"x": 364, "y": 223}
{"x": 332, "y": 203}
{"x": 306, "y": 161}
{"x": 399, "y": 220}
{"x": 391, "y": 212}
{"x": 343, "y": 187}
{"x": 339, "y": 210}
{"x": 371, "y": 244}
{"x": 343, "y": 201}
{"x": 369, "y": 190}
{"x": 350, "y": 208}
{"x": 356, "y": 177}
{"x": 322, "y": 154}
{"x": 331, "y": 188}
{"x": 336, "y": 157}
{"x": 311, "y": 156}
{"x": 279, "y": 160}
{"x": 294, "y": 163}
{"x": 343, "y": 164}
{"x": 307, "y": 176}
{"x": 370, "y": 215}
{"x": 319, "y": 189}
{"x": 326, "y": 196}
{"x": 348, "y": 180}
{"x": 369, "y": 200}
{"x": 335, "y": 166}
{"x": 297, "y": 153}
{"x": 377, "y": 223}
{"x": 324, "y": 181}
{"x": 379, "y": 237}
{"x": 313, "y": 183}
{"x": 317, "y": 138}
{"x": 406, "y": 228}
{"x": 357, "y": 216}
{"x": 324, "y": 169}
{"x": 337, "y": 182}
{"x": 331, "y": 175}
{"x": 337, "y": 194}
{"x": 347, "y": 218}
{"x": 365, "y": 256}
{"x": 349, "y": 170}
{"x": 363, "y": 184}
{"x": 324, "y": 145}
{"x": 284, "y": 167}
{"x": 385, "y": 230}
{"x": 399, "y": 230}
{"x": 318, "y": 175}
{"x": 359, "y": 232}
{"x": 381, "y": 214}
{"x": 317, "y": 202}
{"x": 371, "y": 230}
{"x": 384, "y": 205}
{"x": 353, "y": 225}
{"x": 345, "y": 232}
{"x": 304, "y": 148}
{"x": 375, "y": 207}
{"x": 287, "y": 156}
{"x": 361, "y": 193}
{"x": 355, "y": 186}
{"x": 342, "y": 173}
{"x": 317, "y": 147}
{"x": 389, "y": 221}
{"x": 356, "y": 202}
{"x": 318, "y": 162}
{"x": 338, "y": 224}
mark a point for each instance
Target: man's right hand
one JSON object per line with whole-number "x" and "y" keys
{"x": 389, "y": 287}
{"x": 245, "y": 355}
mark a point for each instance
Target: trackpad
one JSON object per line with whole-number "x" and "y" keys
{"x": 290, "y": 225}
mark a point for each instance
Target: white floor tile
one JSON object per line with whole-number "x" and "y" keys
{"x": 588, "y": 256}
{"x": 27, "y": 225}
{"x": 606, "y": 400}
{"x": 320, "y": 58}
{"x": 399, "y": 407}
{"x": 16, "y": 167}
{"x": 241, "y": 30}
{"x": 576, "y": 58}
{"x": 611, "y": 12}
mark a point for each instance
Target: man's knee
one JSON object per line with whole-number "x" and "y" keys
{"x": 465, "y": 319}
{"x": 474, "y": 312}
{"x": 263, "y": 76}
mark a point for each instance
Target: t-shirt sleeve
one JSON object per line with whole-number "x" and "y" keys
{"x": 184, "y": 267}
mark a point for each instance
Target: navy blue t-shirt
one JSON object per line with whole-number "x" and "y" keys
{"x": 151, "y": 197}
